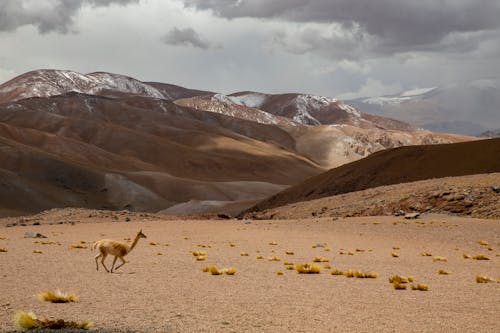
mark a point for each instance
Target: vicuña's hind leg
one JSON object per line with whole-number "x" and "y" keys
{"x": 104, "y": 255}
{"x": 120, "y": 265}
{"x": 114, "y": 262}
{"x": 96, "y": 262}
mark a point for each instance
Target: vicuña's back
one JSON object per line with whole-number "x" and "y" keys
{"x": 114, "y": 248}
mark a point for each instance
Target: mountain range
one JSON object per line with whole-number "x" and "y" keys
{"x": 109, "y": 141}
{"x": 468, "y": 108}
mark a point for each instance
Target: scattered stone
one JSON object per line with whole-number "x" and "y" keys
{"x": 224, "y": 216}
{"x": 33, "y": 234}
{"x": 36, "y": 223}
{"x": 127, "y": 219}
{"x": 412, "y": 216}
{"x": 496, "y": 188}
{"x": 399, "y": 213}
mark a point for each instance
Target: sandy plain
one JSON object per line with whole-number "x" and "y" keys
{"x": 163, "y": 289}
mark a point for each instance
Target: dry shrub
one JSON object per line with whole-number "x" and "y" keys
{"x": 350, "y": 253}
{"x": 342, "y": 252}
{"x": 273, "y": 243}
{"x": 336, "y": 272}
{"x": 232, "y": 244}
{"x": 77, "y": 246}
{"x": 260, "y": 257}
{"x": 244, "y": 254}
{"x": 443, "y": 272}
{"x": 366, "y": 275}
{"x": 3, "y": 249}
{"x": 3, "y": 238}
{"x": 320, "y": 259}
{"x": 438, "y": 258}
{"x": 467, "y": 256}
{"x": 159, "y": 254}
{"x": 396, "y": 248}
{"x": 480, "y": 257}
{"x": 47, "y": 243}
{"x": 214, "y": 270}
{"x": 360, "y": 250}
{"x": 288, "y": 263}
{"x": 154, "y": 243}
{"x": 327, "y": 266}
{"x": 426, "y": 254}
{"x": 327, "y": 249}
{"x": 205, "y": 269}
{"x": 290, "y": 268}
{"x": 484, "y": 279}
{"x": 307, "y": 268}
{"x": 274, "y": 258}
{"x": 30, "y": 321}
{"x": 57, "y": 296}
{"x": 395, "y": 255}
{"x": 280, "y": 273}
{"x": 229, "y": 271}
{"x": 290, "y": 253}
{"x": 37, "y": 251}
{"x": 420, "y": 287}
{"x": 201, "y": 258}
{"x": 483, "y": 243}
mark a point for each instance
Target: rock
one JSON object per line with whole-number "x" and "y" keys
{"x": 496, "y": 188}
{"x": 36, "y": 223}
{"x": 411, "y": 216}
{"x": 399, "y": 213}
{"x": 33, "y": 234}
{"x": 127, "y": 219}
{"x": 224, "y": 216}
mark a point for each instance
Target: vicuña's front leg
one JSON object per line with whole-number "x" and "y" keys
{"x": 96, "y": 262}
{"x": 120, "y": 265}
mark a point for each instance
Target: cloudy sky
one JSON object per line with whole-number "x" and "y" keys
{"x": 345, "y": 48}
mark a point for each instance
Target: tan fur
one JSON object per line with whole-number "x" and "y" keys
{"x": 114, "y": 248}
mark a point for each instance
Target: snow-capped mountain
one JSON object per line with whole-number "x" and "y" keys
{"x": 465, "y": 108}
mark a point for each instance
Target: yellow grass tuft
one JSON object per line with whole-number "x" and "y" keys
{"x": 214, "y": 270}
{"x": 467, "y": 256}
{"x": 274, "y": 258}
{"x": 273, "y": 243}
{"x": 37, "y": 251}
{"x": 77, "y": 246}
{"x": 201, "y": 258}
{"x": 327, "y": 266}
{"x": 244, "y": 254}
{"x": 288, "y": 263}
{"x": 57, "y": 296}
{"x": 443, "y": 272}
{"x": 438, "y": 258}
{"x": 232, "y": 244}
{"x": 395, "y": 255}
{"x": 336, "y": 272}
{"x": 420, "y": 287}
{"x": 484, "y": 279}
{"x": 480, "y": 257}
{"x": 399, "y": 279}
{"x": 398, "y": 285}
{"x": 320, "y": 259}
{"x": 205, "y": 269}
{"x": 260, "y": 257}
{"x": 366, "y": 275}
{"x": 360, "y": 250}
{"x": 280, "y": 273}
{"x": 30, "y": 321}
{"x": 483, "y": 242}
{"x": 290, "y": 268}
{"x": 290, "y": 253}
{"x": 229, "y": 271}
{"x": 307, "y": 268}
{"x": 154, "y": 243}
{"x": 426, "y": 254}
{"x": 396, "y": 248}
{"x": 327, "y": 249}
{"x": 3, "y": 249}
{"x": 159, "y": 254}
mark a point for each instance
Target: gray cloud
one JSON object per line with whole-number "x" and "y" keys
{"x": 186, "y": 37}
{"x": 46, "y": 15}
{"x": 396, "y": 26}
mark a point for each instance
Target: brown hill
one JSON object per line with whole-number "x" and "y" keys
{"x": 399, "y": 165}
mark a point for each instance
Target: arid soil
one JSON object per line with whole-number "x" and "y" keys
{"x": 163, "y": 289}
{"x": 476, "y": 196}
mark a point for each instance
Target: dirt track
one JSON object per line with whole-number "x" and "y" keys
{"x": 170, "y": 293}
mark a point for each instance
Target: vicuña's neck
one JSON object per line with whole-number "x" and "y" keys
{"x": 134, "y": 243}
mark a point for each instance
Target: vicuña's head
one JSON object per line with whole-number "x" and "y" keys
{"x": 141, "y": 235}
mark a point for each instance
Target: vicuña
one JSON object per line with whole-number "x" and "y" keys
{"x": 115, "y": 248}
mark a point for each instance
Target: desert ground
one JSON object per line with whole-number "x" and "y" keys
{"x": 162, "y": 287}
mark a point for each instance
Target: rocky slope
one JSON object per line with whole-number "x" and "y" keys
{"x": 400, "y": 165}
